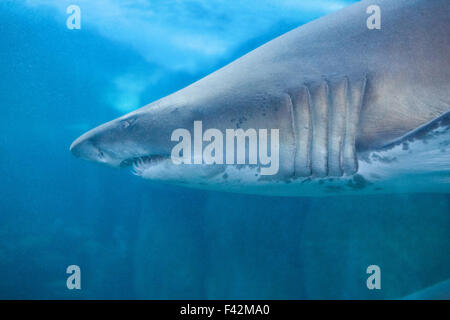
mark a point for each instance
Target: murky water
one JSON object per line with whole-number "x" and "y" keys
{"x": 137, "y": 239}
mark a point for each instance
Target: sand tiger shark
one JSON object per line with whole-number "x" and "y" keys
{"x": 357, "y": 110}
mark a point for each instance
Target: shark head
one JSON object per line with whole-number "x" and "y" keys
{"x": 186, "y": 143}
{"x": 144, "y": 141}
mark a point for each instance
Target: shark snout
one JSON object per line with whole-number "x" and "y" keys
{"x": 91, "y": 146}
{"x": 111, "y": 143}
{"x": 84, "y": 148}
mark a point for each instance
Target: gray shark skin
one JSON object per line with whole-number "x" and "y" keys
{"x": 348, "y": 103}
{"x": 439, "y": 291}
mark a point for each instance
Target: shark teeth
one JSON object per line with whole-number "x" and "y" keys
{"x": 141, "y": 164}
{"x": 143, "y": 160}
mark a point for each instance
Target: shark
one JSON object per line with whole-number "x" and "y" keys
{"x": 355, "y": 110}
{"x": 438, "y": 291}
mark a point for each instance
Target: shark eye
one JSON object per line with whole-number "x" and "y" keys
{"x": 127, "y": 122}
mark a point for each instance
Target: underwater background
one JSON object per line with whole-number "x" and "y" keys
{"x": 134, "y": 239}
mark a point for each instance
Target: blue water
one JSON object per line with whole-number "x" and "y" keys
{"x": 137, "y": 239}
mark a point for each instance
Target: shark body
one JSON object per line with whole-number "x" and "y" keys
{"x": 357, "y": 110}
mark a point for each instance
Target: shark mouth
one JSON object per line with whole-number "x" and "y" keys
{"x": 142, "y": 161}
